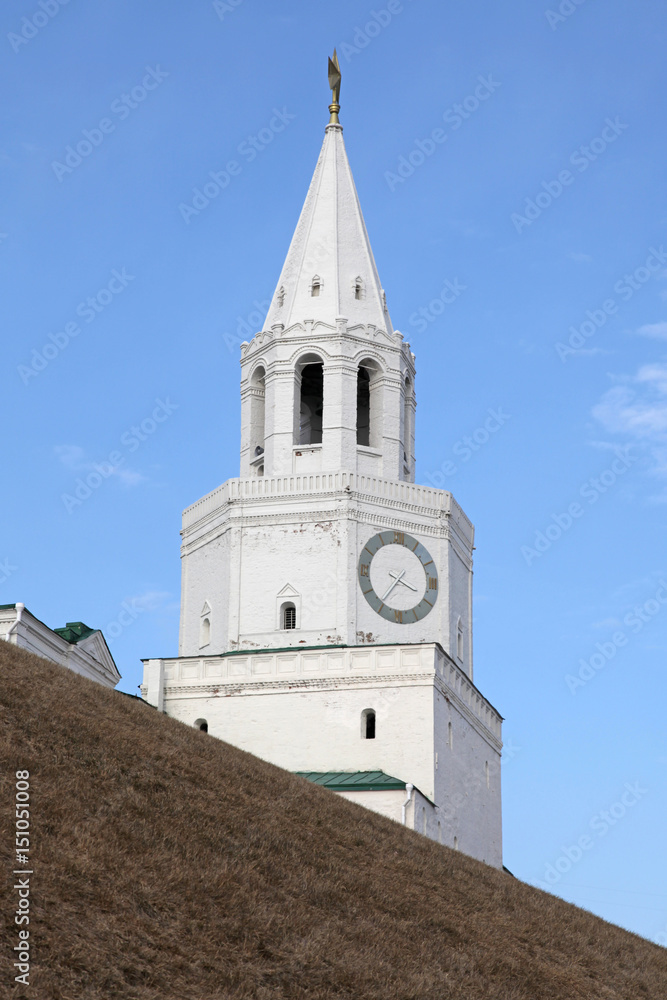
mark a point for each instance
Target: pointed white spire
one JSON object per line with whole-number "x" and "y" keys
{"x": 330, "y": 271}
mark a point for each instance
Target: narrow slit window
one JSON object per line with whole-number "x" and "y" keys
{"x": 358, "y": 288}
{"x": 459, "y": 640}
{"x": 368, "y": 724}
{"x": 315, "y": 287}
{"x": 205, "y": 632}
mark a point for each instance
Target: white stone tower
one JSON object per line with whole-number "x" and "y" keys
{"x": 326, "y": 609}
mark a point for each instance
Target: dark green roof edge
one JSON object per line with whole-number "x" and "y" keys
{"x": 354, "y": 781}
{"x": 290, "y": 649}
{"x": 6, "y": 607}
{"x": 74, "y": 632}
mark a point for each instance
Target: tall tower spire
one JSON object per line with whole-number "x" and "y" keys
{"x": 330, "y": 270}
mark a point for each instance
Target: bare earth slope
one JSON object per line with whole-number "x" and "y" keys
{"x": 170, "y": 865}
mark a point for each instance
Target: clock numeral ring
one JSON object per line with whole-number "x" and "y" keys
{"x": 398, "y": 616}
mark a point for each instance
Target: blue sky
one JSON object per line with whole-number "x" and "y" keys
{"x": 524, "y": 254}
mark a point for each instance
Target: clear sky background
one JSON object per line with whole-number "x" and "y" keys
{"x": 553, "y": 590}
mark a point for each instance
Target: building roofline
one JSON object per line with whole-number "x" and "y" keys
{"x": 342, "y": 645}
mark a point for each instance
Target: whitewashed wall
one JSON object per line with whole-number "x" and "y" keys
{"x": 302, "y": 710}
{"x": 251, "y": 538}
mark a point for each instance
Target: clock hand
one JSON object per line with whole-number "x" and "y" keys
{"x": 397, "y": 579}
{"x": 404, "y": 582}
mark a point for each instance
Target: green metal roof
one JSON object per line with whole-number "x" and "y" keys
{"x": 354, "y": 781}
{"x": 6, "y": 607}
{"x": 74, "y": 632}
{"x": 288, "y": 649}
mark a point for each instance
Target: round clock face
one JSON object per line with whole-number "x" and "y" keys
{"x": 397, "y": 576}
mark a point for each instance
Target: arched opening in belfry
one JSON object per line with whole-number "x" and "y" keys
{"x": 369, "y": 404}
{"x": 311, "y": 403}
{"x": 363, "y": 406}
{"x": 257, "y": 419}
{"x": 408, "y": 413}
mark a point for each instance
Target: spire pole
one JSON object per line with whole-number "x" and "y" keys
{"x": 334, "y": 83}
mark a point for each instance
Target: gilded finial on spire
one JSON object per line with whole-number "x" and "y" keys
{"x": 334, "y": 83}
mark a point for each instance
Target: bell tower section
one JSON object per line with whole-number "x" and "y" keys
{"x": 327, "y": 467}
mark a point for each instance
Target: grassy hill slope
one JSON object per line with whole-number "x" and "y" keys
{"x": 168, "y": 864}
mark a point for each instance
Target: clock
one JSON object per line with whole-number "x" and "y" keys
{"x": 398, "y": 577}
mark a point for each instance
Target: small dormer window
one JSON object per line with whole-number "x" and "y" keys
{"x": 315, "y": 286}
{"x": 358, "y": 288}
{"x": 280, "y": 297}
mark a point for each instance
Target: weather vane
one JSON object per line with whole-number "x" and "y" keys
{"x": 334, "y": 83}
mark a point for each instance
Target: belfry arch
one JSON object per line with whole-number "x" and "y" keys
{"x": 369, "y": 403}
{"x": 309, "y": 400}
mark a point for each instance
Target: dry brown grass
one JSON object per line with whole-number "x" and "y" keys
{"x": 171, "y": 865}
